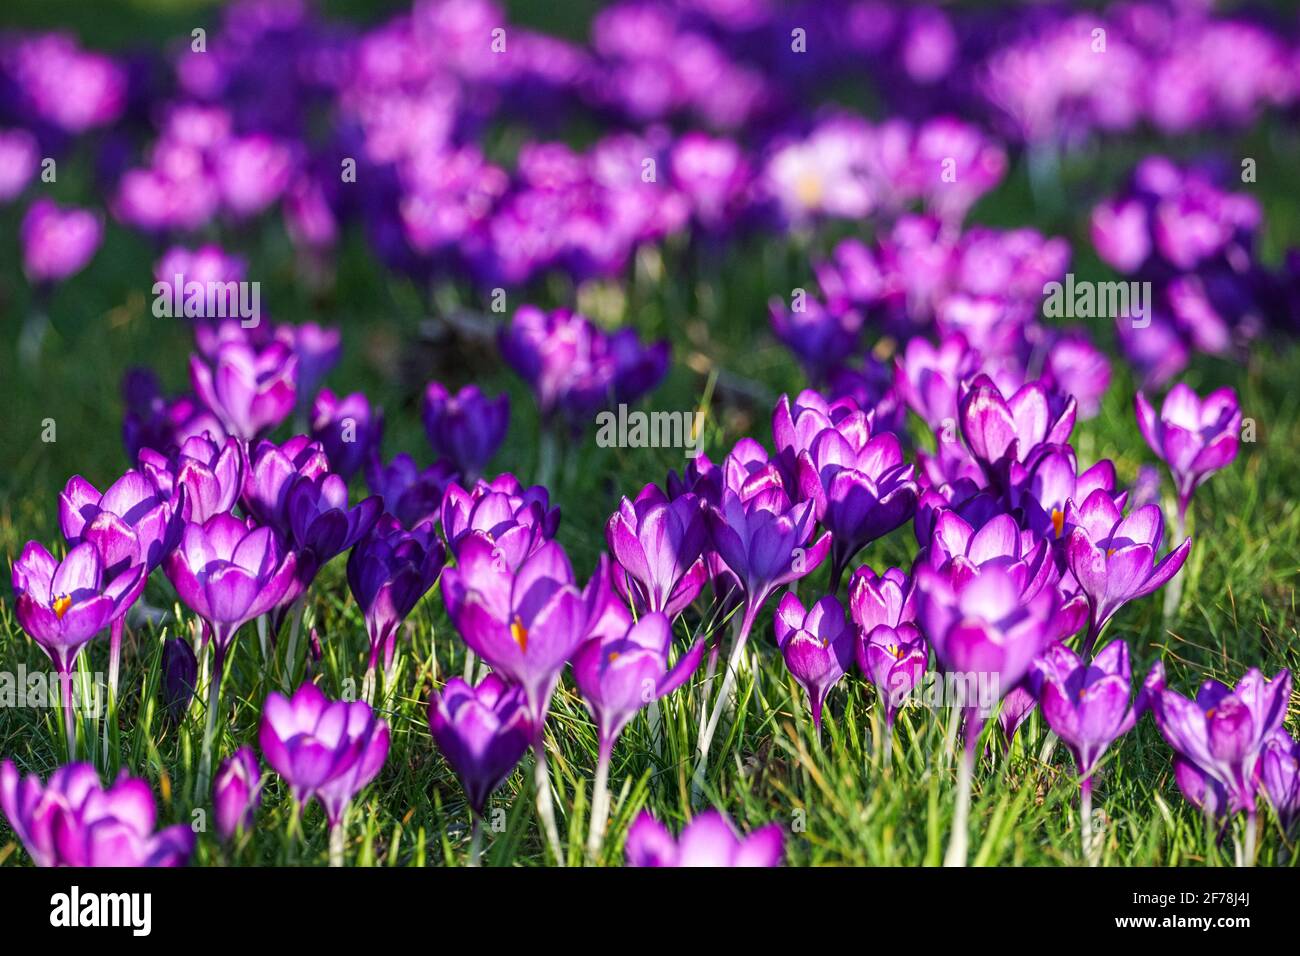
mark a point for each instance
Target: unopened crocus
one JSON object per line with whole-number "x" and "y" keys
{"x": 63, "y": 604}
{"x": 71, "y": 820}
{"x": 821, "y": 338}
{"x": 817, "y": 645}
{"x": 412, "y": 495}
{"x": 347, "y": 429}
{"x": 1087, "y": 704}
{"x": 888, "y": 646}
{"x": 250, "y": 389}
{"x": 321, "y": 525}
{"x": 708, "y": 840}
{"x": 618, "y": 674}
{"x": 658, "y": 544}
{"x": 467, "y": 427}
{"x": 389, "y": 570}
{"x": 1194, "y": 437}
{"x": 1114, "y": 556}
{"x": 237, "y": 792}
{"x": 210, "y": 472}
{"x": 1220, "y": 738}
{"x": 984, "y": 628}
{"x": 526, "y": 622}
{"x": 155, "y": 421}
{"x": 317, "y": 349}
{"x": 1281, "y": 776}
{"x": 325, "y": 749}
{"x": 515, "y": 519}
{"x": 483, "y": 732}
{"x": 58, "y": 242}
{"x": 227, "y": 572}
{"x": 180, "y": 677}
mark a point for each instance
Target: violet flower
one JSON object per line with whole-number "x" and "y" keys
{"x": 72, "y": 820}
{"x": 389, "y": 570}
{"x": 483, "y": 732}
{"x": 237, "y": 792}
{"x": 210, "y": 472}
{"x": 1280, "y": 771}
{"x": 58, "y": 242}
{"x": 411, "y": 495}
{"x": 63, "y": 604}
{"x": 817, "y": 646}
{"x": 347, "y": 429}
{"x": 1113, "y": 557}
{"x": 325, "y": 749}
{"x": 1003, "y": 432}
{"x": 1220, "y": 738}
{"x": 888, "y": 646}
{"x": 1087, "y": 705}
{"x": 1194, "y": 437}
{"x": 180, "y": 677}
{"x": 514, "y": 519}
{"x": 658, "y": 545}
{"x": 618, "y": 674}
{"x": 227, "y": 572}
{"x": 272, "y": 470}
{"x": 251, "y": 390}
{"x": 467, "y": 427}
{"x": 708, "y": 840}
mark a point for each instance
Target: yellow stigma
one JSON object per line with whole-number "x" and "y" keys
{"x": 1058, "y": 520}
{"x": 809, "y": 189}
{"x": 613, "y": 656}
{"x": 61, "y": 605}
{"x": 519, "y": 633}
{"x": 1109, "y": 552}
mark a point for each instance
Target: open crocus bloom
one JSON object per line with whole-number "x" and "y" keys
{"x": 1113, "y": 557}
{"x": 72, "y": 820}
{"x": 620, "y": 673}
{"x": 708, "y": 840}
{"x": 1194, "y": 437}
{"x": 132, "y": 520}
{"x": 63, "y": 604}
{"x": 1220, "y": 736}
{"x": 229, "y": 572}
{"x": 210, "y": 472}
{"x": 515, "y": 519}
{"x": 324, "y": 749}
{"x": 526, "y": 623}
{"x": 1002, "y": 432}
{"x": 251, "y": 390}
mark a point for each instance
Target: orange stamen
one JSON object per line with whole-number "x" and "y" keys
{"x": 61, "y": 605}
{"x": 519, "y": 633}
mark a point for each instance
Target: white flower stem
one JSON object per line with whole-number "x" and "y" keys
{"x": 476, "y": 842}
{"x": 336, "y": 844}
{"x": 958, "y": 840}
{"x": 599, "y": 804}
{"x": 545, "y": 805}
{"x": 720, "y": 702}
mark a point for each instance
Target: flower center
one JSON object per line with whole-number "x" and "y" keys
{"x": 809, "y": 189}
{"x": 1058, "y": 520}
{"x": 61, "y": 605}
{"x": 519, "y": 633}
{"x": 613, "y": 656}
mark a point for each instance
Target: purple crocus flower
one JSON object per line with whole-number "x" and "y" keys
{"x": 929, "y": 377}
{"x": 817, "y": 646}
{"x": 1087, "y": 704}
{"x": 227, "y": 572}
{"x": 1281, "y": 775}
{"x": 272, "y": 471}
{"x": 250, "y": 389}
{"x": 325, "y": 749}
{"x": 467, "y": 427}
{"x": 1221, "y": 736}
{"x": 411, "y": 495}
{"x": 58, "y": 242}
{"x": 1003, "y": 432}
{"x": 20, "y": 157}
{"x": 483, "y": 731}
{"x": 658, "y": 544}
{"x": 317, "y": 348}
{"x": 389, "y": 570}
{"x": 154, "y": 421}
{"x": 514, "y": 519}
{"x": 347, "y": 429}
{"x": 1052, "y": 481}
{"x": 237, "y": 792}
{"x": 1194, "y": 437}
{"x": 620, "y": 672}
{"x": 889, "y": 648}
{"x": 210, "y": 472}
{"x": 525, "y": 622}
{"x": 1016, "y": 707}
{"x": 321, "y": 524}
{"x": 576, "y": 369}
{"x": 821, "y": 338}
{"x": 72, "y": 820}
{"x": 63, "y": 604}
{"x": 708, "y": 840}
{"x": 131, "y": 521}
{"x": 1113, "y": 557}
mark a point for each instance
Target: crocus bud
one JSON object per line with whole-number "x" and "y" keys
{"x": 180, "y": 672}
{"x": 236, "y": 792}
